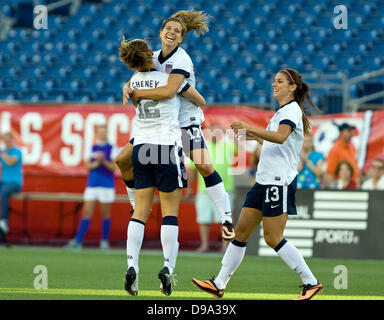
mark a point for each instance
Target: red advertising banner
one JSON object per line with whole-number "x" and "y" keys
{"x": 55, "y": 139}
{"x": 375, "y": 146}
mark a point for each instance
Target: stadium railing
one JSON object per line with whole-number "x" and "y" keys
{"x": 352, "y": 105}
{"x": 61, "y": 198}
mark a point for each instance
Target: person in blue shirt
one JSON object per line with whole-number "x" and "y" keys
{"x": 11, "y": 176}
{"x": 100, "y": 188}
{"x": 310, "y": 166}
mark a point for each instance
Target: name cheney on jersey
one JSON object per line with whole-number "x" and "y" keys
{"x": 145, "y": 84}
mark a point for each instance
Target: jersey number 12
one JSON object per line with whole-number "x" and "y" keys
{"x": 146, "y": 109}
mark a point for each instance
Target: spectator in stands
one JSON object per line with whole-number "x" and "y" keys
{"x": 221, "y": 151}
{"x": 344, "y": 173}
{"x": 376, "y": 172}
{"x": 310, "y": 165}
{"x": 100, "y": 187}
{"x": 342, "y": 149}
{"x": 11, "y": 176}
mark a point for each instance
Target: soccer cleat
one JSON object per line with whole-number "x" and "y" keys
{"x": 166, "y": 281}
{"x": 131, "y": 282}
{"x": 227, "y": 231}
{"x": 104, "y": 245}
{"x": 309, "y": 291}
{"x": 208, "y": 286}
{"x": 74, "y": 245}
{"x": 3, "y": 238}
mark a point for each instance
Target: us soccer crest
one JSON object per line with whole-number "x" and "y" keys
{"x": 168, "y": 68}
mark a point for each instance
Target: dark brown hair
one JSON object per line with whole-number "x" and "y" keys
{"x": 190, "y": 20}
{"x": 136, "y": 54}
{"x": 300, "y": 94}
{"x": 338, "y": 167}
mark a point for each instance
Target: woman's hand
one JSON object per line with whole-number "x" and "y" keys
{"x": 241, "y": 129}
{"x": 133, "y": 96}
{"x": 127, "y": 91}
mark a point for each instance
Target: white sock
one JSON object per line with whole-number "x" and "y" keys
{"x": 135, "y": 236}
{"x": 295, "y": 260}
{"x": 220, "y": 199}
{"x": 131, "y": 196}
{"x": 232, "y": 259}
{"x": 168, "y": 237}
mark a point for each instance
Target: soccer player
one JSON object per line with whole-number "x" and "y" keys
{"x": 173, "y": 60}
{"x": 272, "y": 197}
{"x": 100, "y": 188}
{"x": 157, "y": 163}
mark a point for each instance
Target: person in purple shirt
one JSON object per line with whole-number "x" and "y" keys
{"x": 11, "y": 180}
{"x": 100, "y": 188}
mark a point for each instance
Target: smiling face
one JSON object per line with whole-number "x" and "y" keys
{"x": 171, "y": 35}
{"x": 282, "y": 89}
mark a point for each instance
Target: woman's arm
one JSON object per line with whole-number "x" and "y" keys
{"x": 166, "y": 92}
{"x": 9, "y": 160}
{"x": 110, "y": 165}
{"x": 90, "y": 165}
{"x": 316, "y": 169}
{"x": 251, "y": 136}
{"x": 127, "y": 90}
{"x": 278, "y": 136}
{"x": 192, "y": 94}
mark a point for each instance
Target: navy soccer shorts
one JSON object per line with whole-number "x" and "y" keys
{"x": 272, "y": 200}
{"x": 161, "y": 166}
{"x": 192, "y": 138}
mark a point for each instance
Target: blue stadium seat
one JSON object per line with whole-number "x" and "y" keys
{"x": 315, "y": 34}
{"x": 331, "y": 47}
{"x": 377, "y": 48}
{"x": 76, "y": 59}
{"x": 305, "y": 48}
{"x": 9, "y": 96}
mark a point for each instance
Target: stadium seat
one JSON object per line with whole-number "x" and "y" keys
{"x": 77, "y": 56}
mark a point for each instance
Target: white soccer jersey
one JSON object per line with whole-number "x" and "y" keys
{"x": 156, "y": 122}
{"x": 178, "y": 61}
{"x": 278, "y": 162}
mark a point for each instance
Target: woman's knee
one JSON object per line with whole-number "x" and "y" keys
{"x": 271, "y": 239}
{"x": 242, "y": 233}
{"x": 205, "y": 169}
{"x": 122, "y": 161}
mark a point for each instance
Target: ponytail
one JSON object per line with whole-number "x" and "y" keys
{"x": 192, "y": 20}
{"x": 300, "y": 94}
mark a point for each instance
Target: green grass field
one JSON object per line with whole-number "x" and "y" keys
{"x": 94, "y": 274}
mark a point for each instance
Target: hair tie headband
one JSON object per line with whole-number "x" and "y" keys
{"x": 290, "y": 76}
